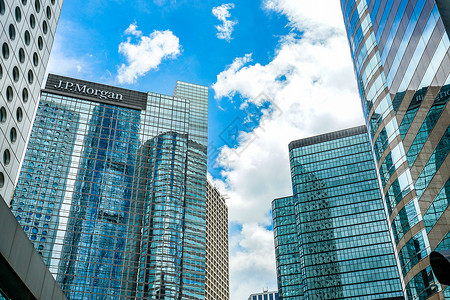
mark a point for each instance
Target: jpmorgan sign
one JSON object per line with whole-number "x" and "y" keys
{"x": 84, "y": 89}
{"x": 95, "y": 92}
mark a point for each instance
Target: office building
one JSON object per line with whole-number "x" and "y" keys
{"x": 26, "y": 40}
{"x": 112, "y": 191}
{"x": 287, "y": 252}
{"x": 331, "y": 237}
{"x": 23, "y": 274}
{"x": 217, "y": 274}
{"x": 265, "y": 295}
{"x": 400, "y": 51}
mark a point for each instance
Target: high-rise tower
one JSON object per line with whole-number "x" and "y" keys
{"x": 400, "y": 51}
{"x": 26, "y": 40}
{"x": 217, "y": 273}
{"x": 112, "y": 192}
{"x": 331, "y": 238}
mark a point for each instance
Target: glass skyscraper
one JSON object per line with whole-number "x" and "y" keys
{"x": 112, "y": 192}
{"x": 287, "y": 252}
{"x": 400, "y": 50}
{"x": 331, "y": 238}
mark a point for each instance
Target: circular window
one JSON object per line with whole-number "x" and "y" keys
{"x": 25, "y": 95}
{"x": 1, "y": 72}
{"x": 9, "y": 93}
{"x": 53, "y": 2}
{"x": 35, "y": 59}
{"x": 24, "y": 2}
{"x": 16, "y": 74}
{"x": 49, "y": 12}
{"x": 32, "y": 21}
{"x": 13, "y": 135}
{"x": 12, "y": 32}
{"x": 5, "y": 51}
{"x": 6, "y": 157}
{"x": 27, "y": 37}
{"x": 37, "y": 5}
{"x": 18, "y": 14}
{"x": 40, "y": 43}
{"x": 2, "y": 115}
{"x": 44, "y": 27}
{"x": 2, "y": 177}
{"x": 2, "y": 7}
{"x": 19, "y": 114}
{"x": 21, "y": 55}
{"x": 30, "y": 76}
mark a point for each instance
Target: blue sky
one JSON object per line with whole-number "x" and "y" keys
{"x": 278, "y": 70}
{"x": 91, "y": 33}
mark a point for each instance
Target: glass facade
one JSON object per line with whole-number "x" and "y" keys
{"x": 114, "y": 197}
{"x": 287, "y": 248}
{"x": 400, "y": 50}
{"x": 332, "y": 236}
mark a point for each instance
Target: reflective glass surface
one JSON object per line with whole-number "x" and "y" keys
{"x": 343, "y": 240}
{"x": 114, "y": 199}
{"x": 400, "y": 53}
{"x": 287, "y": 248}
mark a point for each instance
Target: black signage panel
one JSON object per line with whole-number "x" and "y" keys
{"x": 96, "y": 92}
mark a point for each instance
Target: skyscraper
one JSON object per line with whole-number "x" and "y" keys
{"x": 217, "y": 273}
{"x": 400, "y": 51}
{"x": 331, "y": 238}
{"x": 287, "y": 252}
{"x": 112, "y": 191}
{"x": 26, "y": 40}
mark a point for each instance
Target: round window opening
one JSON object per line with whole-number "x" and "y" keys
{"x": 2, "y": 180}
{"x": 30, "y": 76}
{"x": 2, "y": 7}
{"x": 35, "y": 59}
{"x": 21, "y": 55}
{"x": 9, "y": 93}
{"x": 6, "y": 157}
{"x": 40, "y": 43}
{"x": 24, "y": 2}
{"x": 18, "y": 14}
{"x": 16, "y": 74}
{"x": 19, "y": 114}
{"x": 5, "y": 51}
{"x": 25, "y": 95}
{"x": 1, "y": 72}
{"x": 12, "y": 32}
{"x": 27, "y": 37}
{"x": 2, "y": 114}
{"x": 49, "y": 12}
{"x": 37, "y": 5}
{"x": 32, "y": 21}
{"x": 13, "y": 135}
{"x": 44, "y": 27}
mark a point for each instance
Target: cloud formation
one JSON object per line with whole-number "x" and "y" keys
{"x": 147, "y": 54}
{"x": 311, "y": 88}
{"x": 222, "y": 13}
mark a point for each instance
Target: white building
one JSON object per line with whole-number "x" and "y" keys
{"x": 26, "y": 40}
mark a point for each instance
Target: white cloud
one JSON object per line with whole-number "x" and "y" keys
{"x": 222, "y": 13}
{"x": 147, "y": 54}
{"x": 132, "y": 30}
{"x": 310, "y": 83}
